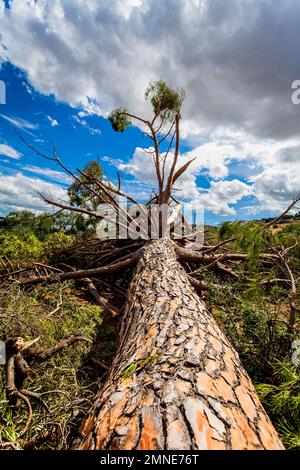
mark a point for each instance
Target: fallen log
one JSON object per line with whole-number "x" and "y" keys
{"x": 176, "y": 382}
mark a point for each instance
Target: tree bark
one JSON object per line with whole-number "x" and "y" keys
{"x": 176, "y": 382}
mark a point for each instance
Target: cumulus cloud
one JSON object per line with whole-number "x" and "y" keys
{"x": 21, "y": 192}
{"x": 9, "y": 151}
{"x": 277, "y": 185}
{"x": 232, "y": 58}
{"x": 222, "y": 195}
{"x": 218, "y": 198}
{"x": 271, "y": 174}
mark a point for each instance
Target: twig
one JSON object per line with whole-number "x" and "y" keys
{"x": 27, "y": 402}
{"x": 57, "y": 308}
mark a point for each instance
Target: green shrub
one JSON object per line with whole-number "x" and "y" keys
{"x": 64, "y": 378}
{"x": 22, "y": 246}
{"x": 282, "y": 401}
{"x": 57, "y": 241}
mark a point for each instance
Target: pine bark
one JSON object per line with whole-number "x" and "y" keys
{"x": 176, "y": 382}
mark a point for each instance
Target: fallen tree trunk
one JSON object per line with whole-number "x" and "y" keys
{"x": 176, "y": 382}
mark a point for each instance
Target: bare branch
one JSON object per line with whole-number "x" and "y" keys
{"x": 71, "y": 208}
{"x": 111, "y": 268}
{"x": 182, "y": 169}
{"x": 101, "y": 300}
{"x": 42, "y": 356}
{"x": 176, "y": 153}
{"x": 293, "y": 203}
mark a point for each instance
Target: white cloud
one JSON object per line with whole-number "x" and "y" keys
{"x": 277, "y": 185}
{"x": 21, "y": 192}
{"x": 235, "y": 59}
{"x": 222, "y": 195}
{"x": 84, "y": 123}
{"x": 52, "y": 121}
{"x": 216, "y": 199}
{"x": 9, "y": 151}
{"x": 52, "y": 175}
{"x": 274, "y": 167}
{"x": 20, "y": 123}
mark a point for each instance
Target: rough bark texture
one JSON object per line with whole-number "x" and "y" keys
{"x": 176, "y": 382}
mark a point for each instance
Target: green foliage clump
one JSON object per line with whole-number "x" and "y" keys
{"x": 254, "y": 331}
{"x": 56, "y": 241}
{"x": 119, "y": 119}
{"x": 20, "y": 246}
{"x": 26, "y": 246}
{"x": 40, "y": 225}
{"x": 250, "y": 238}
{"x": 84, "y": 191}
{"x": 166, "y": 102}
{"x": 282, "y": 400}
{"x": 65, "y": 379}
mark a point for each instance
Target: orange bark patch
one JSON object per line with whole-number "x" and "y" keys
{"x": 205, "y": 384}
{"x": 246, "y": 402}
{"x": 269, "y": 437}
{"x": 242, "y": 432}
{"x": 212, "y": 366}
{"x": 203, "y": 431}
{"x": 200, "y": 345}
{"x": 182, "y": 387}
{"x": 216, "y": 343}
{"x": 224, "y": 390}
{"x": 87, "y": 444}
{"x": 177, "y": 435}
{"x": 237, "y": 439}
{"x": 102, "y": 431}
{"x": 109, "y": 421}
{"x": 144, "y": 345}
{"x": 150, "y": 432}
{"x": 87, "y": 426}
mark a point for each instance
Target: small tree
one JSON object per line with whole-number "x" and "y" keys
{"x": 166, "y": 105}
{"x": 80, "y": 190}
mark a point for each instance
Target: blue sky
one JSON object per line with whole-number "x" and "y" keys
{"x": 66, "y": 65}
